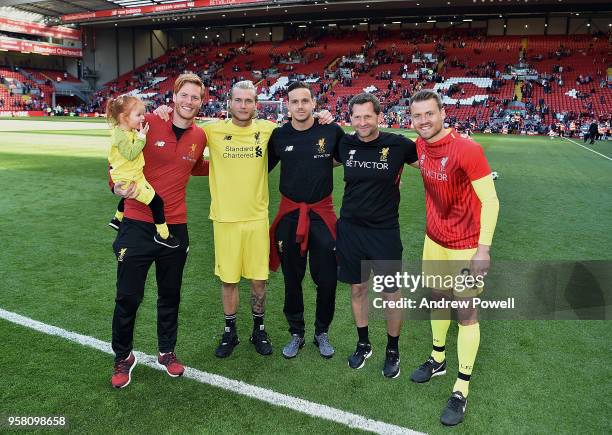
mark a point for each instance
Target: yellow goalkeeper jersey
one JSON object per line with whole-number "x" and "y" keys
{"x": 238, "y": 176}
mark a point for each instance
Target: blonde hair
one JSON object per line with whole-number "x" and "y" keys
{"x": 244, "y": 84}
{"x": 123, "y": 104}
{"x": 188, "y": 78}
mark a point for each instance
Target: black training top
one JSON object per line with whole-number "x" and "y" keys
{"x": 306, "y": 160}
{"x": 372, "y": 172}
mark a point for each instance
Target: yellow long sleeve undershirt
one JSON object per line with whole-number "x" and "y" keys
{"x": 485, "y": 190}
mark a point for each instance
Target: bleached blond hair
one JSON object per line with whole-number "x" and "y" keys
{"x": 244, "y": 84}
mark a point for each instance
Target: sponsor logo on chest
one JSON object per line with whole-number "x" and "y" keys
{"x": 434, "y": 170}
{"x": 244, "y": 151}
{"x": 380, "y": 165}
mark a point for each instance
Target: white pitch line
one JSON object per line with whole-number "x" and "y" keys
{"x": 587, "y": 148}
{"x": 263, "y": 394}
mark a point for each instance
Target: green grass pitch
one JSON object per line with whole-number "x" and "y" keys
{"x": 57, "y": 267}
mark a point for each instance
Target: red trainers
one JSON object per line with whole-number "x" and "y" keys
{"x": 169, "y": 362}
{"x": 123, "y": 371}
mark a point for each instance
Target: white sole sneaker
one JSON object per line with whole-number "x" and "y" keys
{"x": 129, "y": 374}
{"x": 391, "y": 377}
{"x": 365, "y": 357}
{"x": 166, "y": 370}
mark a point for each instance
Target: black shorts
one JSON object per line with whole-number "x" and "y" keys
{"x": 380, "y": 250}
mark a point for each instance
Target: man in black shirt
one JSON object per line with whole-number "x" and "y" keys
{"x": 368, "y": 228}
{"x": 592, "y": 133}
{"x": 306, "y": 221}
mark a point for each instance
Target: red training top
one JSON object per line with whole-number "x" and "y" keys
{"x": 168, "y": 165}
{"x": 448, "y": 168}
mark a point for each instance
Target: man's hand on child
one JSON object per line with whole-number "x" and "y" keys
{"x": 130, "y": 193}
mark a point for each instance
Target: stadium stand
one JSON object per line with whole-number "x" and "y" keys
{"x": 19, "y": 91}
{"x": 546, "y": 79}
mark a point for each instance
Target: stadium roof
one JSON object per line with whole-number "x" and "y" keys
{"x": 61, "y": 7}
{"x": 375, "y": 8}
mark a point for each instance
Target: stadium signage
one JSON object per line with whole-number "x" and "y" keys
{"x": 126, "y": 12}
{"x": 22, "y": 113}
{"x": 29, "y": 28}
{"x": 23, "y": 46}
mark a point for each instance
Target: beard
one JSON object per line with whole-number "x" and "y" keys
{"x": 430, "y": 133}
{"x": 188, "y": 116}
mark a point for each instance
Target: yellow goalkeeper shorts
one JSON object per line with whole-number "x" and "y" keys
{"x": 447, "y": 269}
{"x": 242, "y": 249}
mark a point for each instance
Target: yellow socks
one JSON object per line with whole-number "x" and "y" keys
{"x": 119, "y": 215}
{"x": 162, "y": 229}
{"x": 468, "y": 341}
{"x": 440, "y": 321}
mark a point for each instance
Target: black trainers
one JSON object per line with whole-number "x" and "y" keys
{"x": 114, "y": 223}
{"x": 170, "y": 242}
{"x": 228, "y": 342}
{"x": 428, "y": 370}
{"x": 391, "y": 368}
{"x": 454, "y": 412}
{"x": 363, "y": 352}
{"x": 261, "y": 341}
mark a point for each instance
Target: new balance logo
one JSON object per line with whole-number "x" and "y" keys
{"x": 228, "y": 137}
{"x": 289, "y": 148}
{"x": 352, "y": 154}
{"x": 258, "y": 151}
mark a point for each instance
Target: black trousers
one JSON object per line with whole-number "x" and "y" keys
{"x": 136, "y": 252}
{"x": 323, "y": 269}
{"x": 591, "y": 136}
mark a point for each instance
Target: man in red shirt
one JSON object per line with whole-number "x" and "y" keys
{"x": 173, "y": 151}
{"x": 462, "y": 209}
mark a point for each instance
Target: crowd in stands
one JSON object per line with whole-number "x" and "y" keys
{"x": 392, "y": 65}
{"x": 20, "y": 93}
